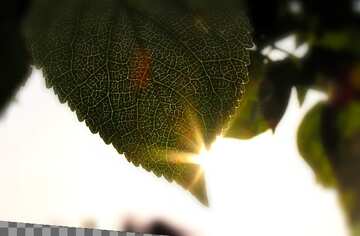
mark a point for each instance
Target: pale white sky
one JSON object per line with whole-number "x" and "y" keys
{"x": 54, "y": 171}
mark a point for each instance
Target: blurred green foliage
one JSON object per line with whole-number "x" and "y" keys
{"x": 329, "y": 136}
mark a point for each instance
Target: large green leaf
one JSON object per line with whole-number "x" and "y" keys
{"x": 157, "y": 79}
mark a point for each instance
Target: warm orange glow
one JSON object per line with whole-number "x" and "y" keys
{"x": 140, "y": 67}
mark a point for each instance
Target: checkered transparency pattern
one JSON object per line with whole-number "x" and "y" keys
{"x": 25, "y": 229}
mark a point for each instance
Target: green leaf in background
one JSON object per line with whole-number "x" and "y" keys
{"x": 266, "y": 100}
{"x": 347, "y": 159}
{"x": 274, "y": 97}
{"x": 156, "y": 79}
{"x": 342, "y": 40}
{"x": 311, "y": 146}
{"x": 329, "y": 141}
{"x": 349, "y": 120}
{"x": 280, "y": 77}
{"x": 248, "y": 120}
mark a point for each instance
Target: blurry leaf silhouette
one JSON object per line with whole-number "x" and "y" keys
{"x": 346, "y": 157}
{"x": 158, "y": 227}
{"x": 329, "y": 141}
{"x": 163, "y": 228}
{"x": 157, "y": 80}
{"x": 311, "y": 146}
{"x": 275, "y": 91}
{"x": 14, "y": 59}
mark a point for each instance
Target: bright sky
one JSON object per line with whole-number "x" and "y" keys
{"x": 54, "y": 171}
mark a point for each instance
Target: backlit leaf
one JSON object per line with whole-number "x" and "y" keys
{"x": 156, "y": 79}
